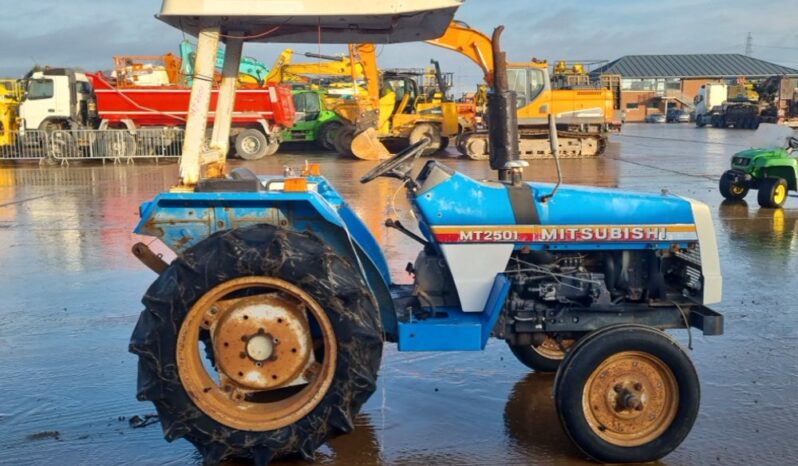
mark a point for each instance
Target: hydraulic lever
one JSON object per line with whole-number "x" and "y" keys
{"x": 397, "y": 225}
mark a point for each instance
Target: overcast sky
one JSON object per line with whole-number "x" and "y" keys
{"x": 88, "y": 33}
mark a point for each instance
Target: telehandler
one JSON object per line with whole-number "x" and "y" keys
{"x": 263, "y": 338}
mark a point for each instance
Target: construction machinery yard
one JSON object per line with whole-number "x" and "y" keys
{"x": 245, "y": 281}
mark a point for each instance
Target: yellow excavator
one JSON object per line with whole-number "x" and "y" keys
{"x": 392, "y": 110}
{"x": 10, "y": 97}
{"x": 583, "y": 116}
{"x": 285, "y": 71}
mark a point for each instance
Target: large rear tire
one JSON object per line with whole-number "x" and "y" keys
{"x": 235, "y": 293}
{"x": 772, "y": 192}
{"x": 627, "y": 394}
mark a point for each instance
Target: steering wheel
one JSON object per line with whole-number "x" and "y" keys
{"x": 395, "y": 166}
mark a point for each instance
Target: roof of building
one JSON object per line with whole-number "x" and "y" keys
{"x": 729, "y": 65}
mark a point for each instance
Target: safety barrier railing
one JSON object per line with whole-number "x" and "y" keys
{"x": 116, "y": 145}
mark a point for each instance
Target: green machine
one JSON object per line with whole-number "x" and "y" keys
{"x": 315, "y": 122}
{"x": 769, "y": 167}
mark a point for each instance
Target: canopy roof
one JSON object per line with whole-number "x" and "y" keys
{"x": 312, "y": 21}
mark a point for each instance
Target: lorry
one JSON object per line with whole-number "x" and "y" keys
{"x": 263, "y": 338}
{"x": 767, "y": 167}
{"x": 710, "y": 96}
{"x": 747, "y": 104}
{"x": 67, "y": 100}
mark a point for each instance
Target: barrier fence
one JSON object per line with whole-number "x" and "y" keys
{"x": 118, "y": 146}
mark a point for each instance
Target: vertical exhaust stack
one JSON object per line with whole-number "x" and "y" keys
{"x": 503, "y": 119}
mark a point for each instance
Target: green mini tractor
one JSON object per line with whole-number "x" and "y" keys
{"x": 314, "y": 121}
{"x": 769, "y": 167}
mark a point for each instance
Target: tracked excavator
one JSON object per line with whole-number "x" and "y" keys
{"x": 583, "y": 115}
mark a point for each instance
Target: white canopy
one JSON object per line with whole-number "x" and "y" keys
{"x": 311, "y": 21}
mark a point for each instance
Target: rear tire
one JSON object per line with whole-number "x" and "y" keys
{"x": 343, "y": 310}
{"x": 731, "y": 190}
{"x": 772, "y": 192}
{"x": 426, "y": 130}
{"x": 627, "y": 393}
{"x": 252, "y": 144}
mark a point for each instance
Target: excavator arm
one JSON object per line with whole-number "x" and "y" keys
{"x": 471, "y": 43}
{"x": 286, "y": 71}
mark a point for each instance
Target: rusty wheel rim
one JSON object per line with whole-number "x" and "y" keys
{"x": 630, "y": 399}
{"x": 266, "y": 357}
{"x": 552, "y": 349}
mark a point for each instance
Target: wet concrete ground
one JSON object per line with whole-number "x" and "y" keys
{"x": 70, "y": 298}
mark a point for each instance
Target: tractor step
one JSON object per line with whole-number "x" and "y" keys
{"x": 451, "y": 329}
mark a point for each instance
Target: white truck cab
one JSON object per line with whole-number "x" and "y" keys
{"x": 709, "y": 96}
{"x": 57, "y": 98}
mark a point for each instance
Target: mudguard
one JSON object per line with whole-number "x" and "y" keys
{"x": 181, "y": 220}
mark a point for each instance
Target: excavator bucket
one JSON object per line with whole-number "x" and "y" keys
{"x": 367, "y": 146}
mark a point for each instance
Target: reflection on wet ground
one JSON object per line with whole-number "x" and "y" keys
{"x": 71, "y": 298}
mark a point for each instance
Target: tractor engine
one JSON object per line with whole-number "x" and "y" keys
{"x": 547, "y": 286}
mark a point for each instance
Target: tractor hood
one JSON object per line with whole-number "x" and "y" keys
{"x": 313, "y": 21}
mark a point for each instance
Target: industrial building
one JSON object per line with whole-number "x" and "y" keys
{"x": 649, "y": 83}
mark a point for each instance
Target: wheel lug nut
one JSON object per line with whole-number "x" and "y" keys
{"x": 618, "y": 388}
{"x": 638, "y": 386}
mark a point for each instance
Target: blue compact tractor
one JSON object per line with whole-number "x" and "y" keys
{"x": 263, "y": 338}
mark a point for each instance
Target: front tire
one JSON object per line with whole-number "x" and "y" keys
{"x": 627, "y": 393}
{"x": 772, "y": 192}
{"x": 731, "y": 190}
{"x": 326, "y": 135}
{"x": 343, "y": 140}
{"x": 267, "y": 403}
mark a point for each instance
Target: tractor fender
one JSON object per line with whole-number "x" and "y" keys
{"x": 181, "y": 220}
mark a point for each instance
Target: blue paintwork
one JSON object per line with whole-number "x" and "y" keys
{"x": 464, "y": 201}
{"x": 181, "y": 220}
{"x": 457, "y": 330}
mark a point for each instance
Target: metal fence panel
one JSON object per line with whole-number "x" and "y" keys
{"x": 62, "y": 146}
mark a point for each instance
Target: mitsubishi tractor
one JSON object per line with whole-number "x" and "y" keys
{"x": 767, "y": 167}
{"x": 263, "y": 337}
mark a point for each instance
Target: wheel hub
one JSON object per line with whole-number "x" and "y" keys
{"x": 631, "y": 399}
{"x": 262, "y": 342}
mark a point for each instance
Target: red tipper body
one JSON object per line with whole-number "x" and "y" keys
{"x": 168, "y": 105}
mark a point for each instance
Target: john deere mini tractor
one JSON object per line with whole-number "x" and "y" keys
{"x": 264, "y": 337}
{"x": 768, "y": 167}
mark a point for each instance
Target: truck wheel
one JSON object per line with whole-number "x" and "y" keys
{"x": 343, "y": 140}
{"x": 627, "y": 393}
{"x": 252, "y": 144}
{"x": 326, "y": 135}
{"x": 545, "y": 357}
{"x": 731, "y": 190}
{"x": 426, "y": 130}
{"x": 294, "y": 334}
{"x": 118, "y": 144}
{"x": 772, "y": 192}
